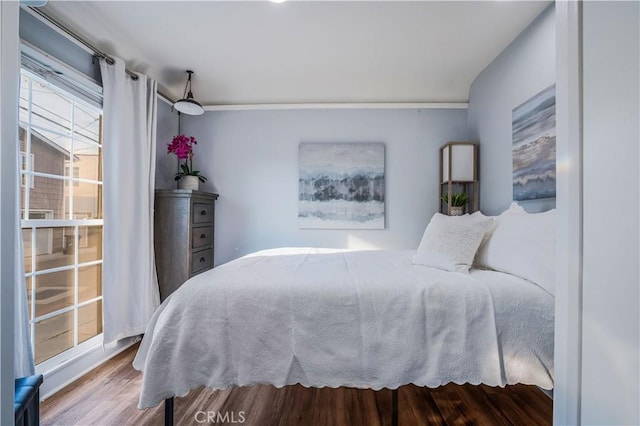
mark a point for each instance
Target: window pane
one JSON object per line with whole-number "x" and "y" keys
{"x": 48, "y": 196}
{"x": 53, "y": 336}
{"x": 28, "y": 282}
{"x": 90, "y": 243}
{"x": 87, "y": 123}
{"x": 24, "y": 98}
{"x": 87, "y": 160}
{"x": 24, "y": 157}
{"x": 89, "y": 321}
{"x": 75, "y": 174}
{"x": 87, "y": 201}
{"x": 26, "y": 243}
{"x": 22, "y": 137}
{"x": 89, "y": 282}
{"x": 50, "y": 153}
{"x": 50, "y": 110}
{"x": 54, "y": 291}
{"x": 54, "y": 247}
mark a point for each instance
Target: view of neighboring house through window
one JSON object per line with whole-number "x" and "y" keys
{"x": 61, "y": 212}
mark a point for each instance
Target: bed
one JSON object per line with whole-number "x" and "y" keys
{"x": 329, "y": 317}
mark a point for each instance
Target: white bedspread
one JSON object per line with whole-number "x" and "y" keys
{"x": 366, "y": 319}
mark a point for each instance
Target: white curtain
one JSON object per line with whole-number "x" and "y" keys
{"x": 22, "y": 351}
{"x": 130, "y": 285}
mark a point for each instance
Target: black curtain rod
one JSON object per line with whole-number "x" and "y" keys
{"x": 96, "y": 52}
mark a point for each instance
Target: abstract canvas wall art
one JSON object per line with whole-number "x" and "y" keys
{"x": 341, "y": 186}
{"x": 534, "y": 147}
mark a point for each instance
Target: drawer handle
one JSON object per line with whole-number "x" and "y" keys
{"x": 203, "y": 236}
{"x": 203, "y": 213}
{"x": 202, "y": 260}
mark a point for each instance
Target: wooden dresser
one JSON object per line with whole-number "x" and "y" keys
{"x": 184, "y": 225}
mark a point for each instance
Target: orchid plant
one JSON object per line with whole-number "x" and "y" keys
{"x": 182, "y": 147}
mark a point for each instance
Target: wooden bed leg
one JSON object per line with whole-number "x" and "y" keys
{"x": 394, "y": 407}
{"x": 168, "y": 412}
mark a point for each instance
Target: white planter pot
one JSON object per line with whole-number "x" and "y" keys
{"x": 189, "y": 182}
{"x": 457, "y": 210}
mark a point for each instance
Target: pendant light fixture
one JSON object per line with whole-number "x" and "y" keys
{"x": 188, "y": 105}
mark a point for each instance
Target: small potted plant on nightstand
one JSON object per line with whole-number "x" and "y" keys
{"x": 458, "y": 201}
{"x": 182, "y": 147}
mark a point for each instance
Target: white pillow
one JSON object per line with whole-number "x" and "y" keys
{"x": 478, "y": 217}
{"x": 451, "y": 242}
{"x": 522, "y": 244}
{"x": 513, "y": 208}
{"x": 516, "y": 208}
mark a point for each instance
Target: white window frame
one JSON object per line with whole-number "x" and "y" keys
{"x": 76, "y": 224}
{"x": 48, "y": 214}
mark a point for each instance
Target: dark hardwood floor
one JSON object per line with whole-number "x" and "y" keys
{"x": 109, "y": 396}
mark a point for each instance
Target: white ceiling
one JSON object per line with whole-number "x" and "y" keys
{"x": 304, "y": 52}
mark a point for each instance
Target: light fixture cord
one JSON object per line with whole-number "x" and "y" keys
{"x": 178, "y": 160}
{"x": 187, "y": 87}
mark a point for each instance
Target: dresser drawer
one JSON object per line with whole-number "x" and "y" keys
{"x": 201, "y": 260}
{"x": 202, "y": 213}
{"x": 201, "y": 237}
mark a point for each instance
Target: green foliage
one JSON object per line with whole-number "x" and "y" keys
{"x": 187, "y": 171}
{"x": 182, "y": 147}
{"x": 458, "y": 199}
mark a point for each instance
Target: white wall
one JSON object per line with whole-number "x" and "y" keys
{"x": 251, "y": 160}
{"x": 611, "y": 135}
{"x": 9, "y": 78}
{"x": 523, "y": 69}
{"x": 166, "y": 164}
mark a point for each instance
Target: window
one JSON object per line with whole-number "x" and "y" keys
{"x": 76, "y": 175}
{"x": 25, "y": 165}
{"x": 61, "y": 146}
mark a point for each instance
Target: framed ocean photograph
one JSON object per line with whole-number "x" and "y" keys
{"x": 341, "y": 186}
{"x": 534, "y": 147}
